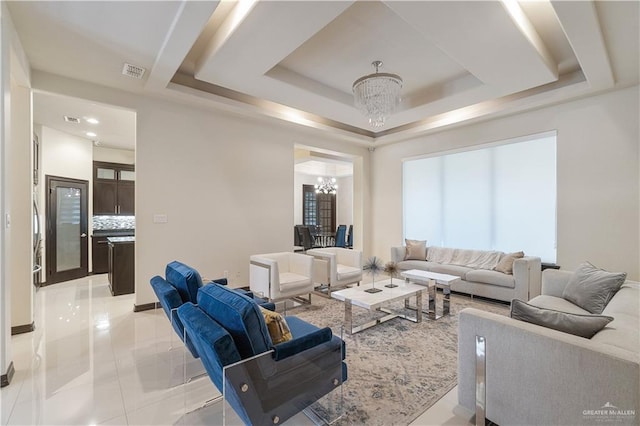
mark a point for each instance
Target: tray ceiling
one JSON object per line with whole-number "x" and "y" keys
{"x": 297, "y": 60}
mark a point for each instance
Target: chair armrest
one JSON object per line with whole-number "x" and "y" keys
{"x": 167, "y": 295}
{"x": 269, "y": 306}
{"x": 295, "y": 346}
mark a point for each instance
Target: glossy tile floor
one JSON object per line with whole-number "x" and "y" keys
{"x": 93, "y": 361}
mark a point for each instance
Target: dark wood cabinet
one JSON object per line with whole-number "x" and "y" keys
{"x": 126, "y": 198}
{"x": 121, "y": 267}
{"x": 99, "y": 255}
{"x": 113, "y": 188}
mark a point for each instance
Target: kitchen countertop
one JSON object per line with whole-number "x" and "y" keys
{"x": 113, "y": 232}
{"x": 121, "y": 239}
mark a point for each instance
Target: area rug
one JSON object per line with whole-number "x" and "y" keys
{"x": 398, "y": 369}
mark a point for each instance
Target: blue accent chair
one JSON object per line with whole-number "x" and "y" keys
{"x": 227, "y": 327}
{"x": 181, "y": 285}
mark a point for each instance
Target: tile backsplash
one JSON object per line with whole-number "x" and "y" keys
{"x": 113, "y": 222}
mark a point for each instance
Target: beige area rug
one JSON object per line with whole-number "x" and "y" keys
{"x": 398, "y": 369}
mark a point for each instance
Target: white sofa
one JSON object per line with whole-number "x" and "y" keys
{"x": 523, "y": 284}
{"x": 537, "y": 375}
{"x": 336, "y": 267}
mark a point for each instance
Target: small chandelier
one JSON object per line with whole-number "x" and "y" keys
{"x": 377, "y": 95}
{"x": 326, "y": 186}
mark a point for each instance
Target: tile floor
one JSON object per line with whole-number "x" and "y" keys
{"x": 93, "y": 361}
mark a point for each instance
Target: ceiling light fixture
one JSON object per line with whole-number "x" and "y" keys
{"x": 91, "y": 134}
{"x": 92, "y": 120}
{"x": 326, "y": 186}
{"x": 377, "y": 95}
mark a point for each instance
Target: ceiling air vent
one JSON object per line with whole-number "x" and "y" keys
{"x": 70, "y": 119}
{"x": 133, "y": 71}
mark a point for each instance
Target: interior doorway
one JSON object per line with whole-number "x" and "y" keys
{"x": 67, "y": 229}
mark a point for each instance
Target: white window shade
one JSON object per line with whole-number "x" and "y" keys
{"x": 499, "y": 198}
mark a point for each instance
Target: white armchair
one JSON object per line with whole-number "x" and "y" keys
{"x": 279, "y": 276}
{"x": 336, "y": 267}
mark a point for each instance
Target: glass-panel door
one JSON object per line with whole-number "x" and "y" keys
{"x": 67, "y": 242}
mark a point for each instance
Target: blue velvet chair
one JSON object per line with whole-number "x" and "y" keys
{"x": 181, "y": 285}
{"x": 228, "y": 330}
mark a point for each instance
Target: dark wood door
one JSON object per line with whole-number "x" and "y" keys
{"x": 67, "y": 244}
{"x": 126, "y": 198}
{"x": 105, "y": 197}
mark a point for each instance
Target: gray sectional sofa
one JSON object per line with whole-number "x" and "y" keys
{"x": 471, "y": 266}
{"x": 538, "y": 375}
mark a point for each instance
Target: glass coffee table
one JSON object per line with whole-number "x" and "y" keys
{"x": 431, "y": 280}
{"x": 357, "y": 296}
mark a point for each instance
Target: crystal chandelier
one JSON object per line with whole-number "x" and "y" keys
{"x": 377, "y": 95}
{"x": 326, "y": 186}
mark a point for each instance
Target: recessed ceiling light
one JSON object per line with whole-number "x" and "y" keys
{"x": 91, "y": 134}
{"x": 92, "y": 120}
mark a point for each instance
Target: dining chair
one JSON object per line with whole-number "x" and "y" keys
{"x": 340, "y": 240}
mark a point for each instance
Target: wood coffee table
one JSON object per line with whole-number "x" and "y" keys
{"x": 431, "y": 280}
{"x": 374, "y": 301}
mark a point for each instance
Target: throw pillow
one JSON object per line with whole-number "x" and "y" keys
{"x": 416, "y": 250}
{"x": 591, "y": 288}
{"x": 505, "y": 265}
{"x": 580, "y": 325}
{"x": 277, "y": 326}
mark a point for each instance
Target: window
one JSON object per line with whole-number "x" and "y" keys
{"x": 494, "y": 198}
{"x": 318, "y": 209}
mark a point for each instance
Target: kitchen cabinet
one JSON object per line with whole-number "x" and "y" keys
{"x": 121, "y": 265}
{"x": 99, "y": 255}
{"x": 113, "y": 188}
{"x": 100, "y": 248}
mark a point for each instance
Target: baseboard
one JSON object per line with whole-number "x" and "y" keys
{"x": 26, "y": 328}
{"x": 5, "y": 379}
{"x": 146, "y": 306}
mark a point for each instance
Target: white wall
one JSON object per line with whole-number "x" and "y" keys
{"x": 344, "y": 201}
{"x": 14, "y": 66}
{"x": 206, "y": 171}
{"x": 21, "y": 193}
{"x": 113, "y": 155}
{"x": 598, "y": 177}
{"x": 69, "y": 156}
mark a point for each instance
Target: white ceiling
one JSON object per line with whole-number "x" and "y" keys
{"x": 297, "y": 60}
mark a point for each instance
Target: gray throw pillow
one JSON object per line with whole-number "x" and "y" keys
{"x": 580, "y": 325}
{"x": 415, "y": 250}
{"x": 591, "y": 288}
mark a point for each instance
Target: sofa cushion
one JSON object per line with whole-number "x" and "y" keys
{"x": 415, "y": 250}
{"x": 239, "y": 315}
{"x": 185, "y": 279}
{"x": 591, "y": 288}
{"x": 277, "y": 326}
{"x": 405, "y": 265}
{"x": 458, "y": 271}
{"x": 557, "y": 304}
{"x": 344, "y": 272}
{"x": 491, "y": 277}
{"x": 290, "y": 281}
{"x": 623, "y": 330}
{"x": 505, "y": 265}
{"x": 580, "y": 325}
